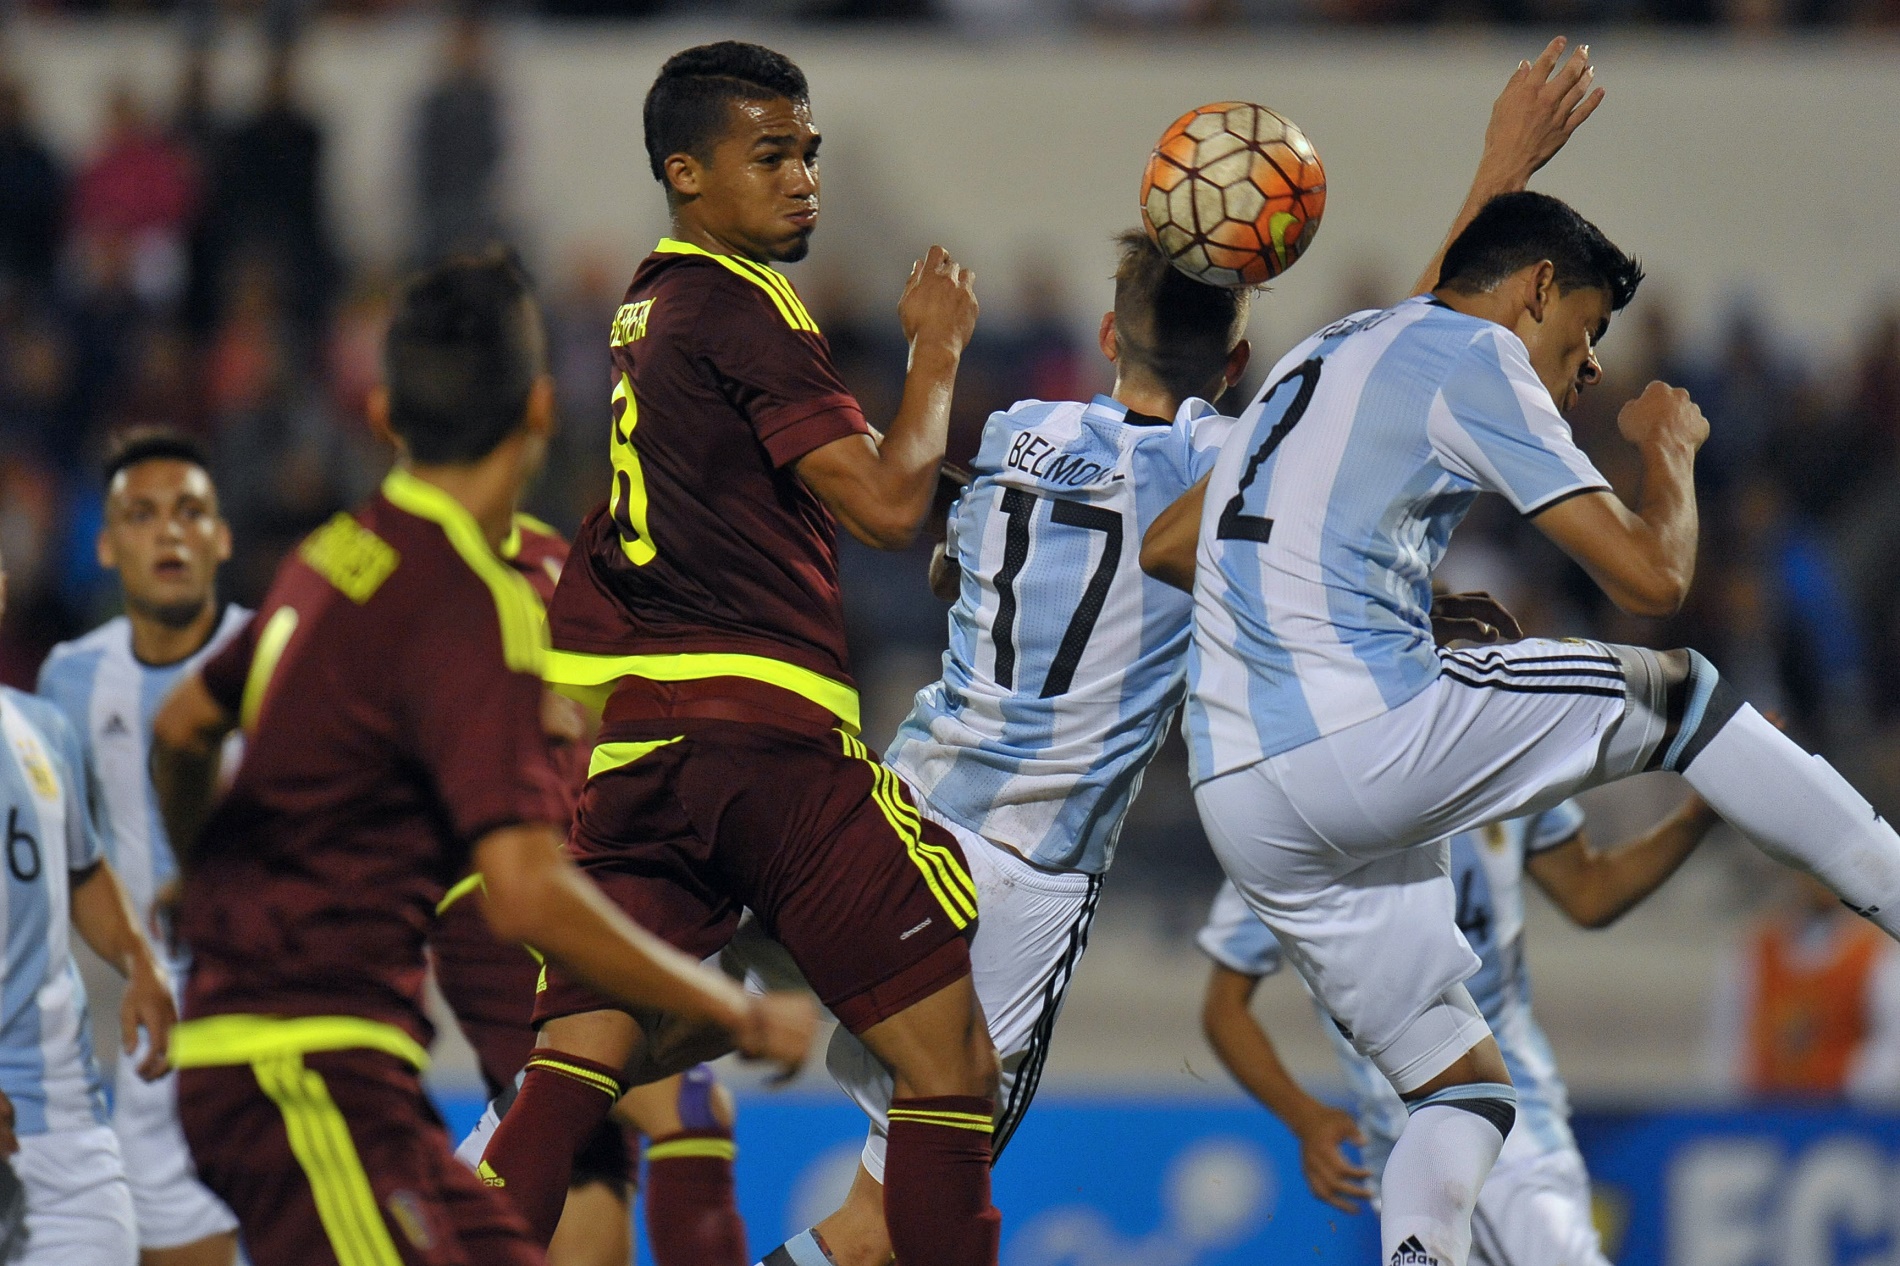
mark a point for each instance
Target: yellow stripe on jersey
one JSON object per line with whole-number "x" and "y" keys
{"x": 692, "y": 1149}
{"x": 587, "y": 1076}
{"x": 776, "y": 287}
{"x": 320, "y": 1140}
{"x": 949, "y": 1120}
{"x": 219, "y": 1040}
{"x": 270, "y": 648}
{"x": 949, "y": 882}
{"x": 524, "y": 622}
{"x": 511, "y": 546}
{"x": 463, "y": 886}
{"x": 610, "y": 756}
{"x": 591, "y": 678}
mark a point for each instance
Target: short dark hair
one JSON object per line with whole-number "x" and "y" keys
{"x": 688, "y": 105}
{"x": 151, "y": 443}
{"x": 1516, "y": 230}
{"x": 1170, "y": 327}
{"x": 465, "y": 346}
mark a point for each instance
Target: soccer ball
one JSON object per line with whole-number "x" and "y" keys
{"x": 1233, "y": 194}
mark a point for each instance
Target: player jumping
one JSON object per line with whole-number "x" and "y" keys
{"x": 702, "y": 600}
{"x": 1535, "y": 1204}
{"x": 1329, "y": 739}
{"x": 390, "y": 694}
{"x": 691, "y": 1215}
{"x": 1066, "y": 664}
{"x": 165, "y": 538}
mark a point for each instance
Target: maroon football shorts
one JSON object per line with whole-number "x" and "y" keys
{"x": 489, "y": 985}
{"x": 339, "y": 1158}
{"x": 689, "y": 822}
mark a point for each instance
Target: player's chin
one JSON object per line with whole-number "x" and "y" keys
{"x": 793, "y": 247}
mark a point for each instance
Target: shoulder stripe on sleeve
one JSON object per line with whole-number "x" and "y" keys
{"x": 776, "y": 287}
{"x": 524, "y": 622}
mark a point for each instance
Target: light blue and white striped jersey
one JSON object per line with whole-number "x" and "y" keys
{"x": 1066, "y": 662}
{"x": 111, "y": 698}
{"x": 1487, "y": 869}
{"x": 46, "y": 1063}
{"x": 1332, "y": 504}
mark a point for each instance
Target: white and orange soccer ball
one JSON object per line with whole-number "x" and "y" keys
{"x": 1233, "y": 193}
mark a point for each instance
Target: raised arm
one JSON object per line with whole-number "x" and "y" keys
{"x": 1643, "y": 557}
{"x": 537, "y": 897}
{"x": 1597, "y": 887}
{"x": 1246, "y": 1050}
{"x": 881, "y": 489}
{"x": 1541, "y": 105}
{"x": 104, "y": 919}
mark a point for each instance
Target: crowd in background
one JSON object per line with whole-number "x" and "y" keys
{"x": 996, "y": 17}
{"x": 181, "y": 269}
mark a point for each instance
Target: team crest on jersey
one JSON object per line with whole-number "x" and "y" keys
{"x": 406, "y": 1211}
{"x": 39, "y": 770}
{"x": 1494, "y": 836}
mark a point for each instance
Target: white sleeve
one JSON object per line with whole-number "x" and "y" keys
{"x": 1207, "y": 435}
{"x": 1493, "y": 423}
{"x": 1873, "y": 1076}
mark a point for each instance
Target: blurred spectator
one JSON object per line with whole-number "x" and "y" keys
{"x": 1809, "y": 1005}
{"x": 32, "y": 197}
{"x": 137, "y": 194}
{"x": 458, "y": 148}
{"x": 267, "y": 202}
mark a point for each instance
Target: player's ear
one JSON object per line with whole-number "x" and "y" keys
{"x": 223, "y": 542}
{"x": 539, "y": 418}
{"x": 1543, "y": 289}
{"x": 376, "y": 410}
{"x": 1111, "y": 345}
{"x": 103, "y": 549}
{"x": 1237, "y": 362}
{"x": 683, "y": 173}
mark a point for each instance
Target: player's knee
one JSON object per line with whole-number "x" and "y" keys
{"x": 1698, "y": 703}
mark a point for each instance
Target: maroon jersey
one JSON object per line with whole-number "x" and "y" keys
{"x": 389, "y": 691}
{"x": 711, "y": 558}
{"x": 539, "y": 552}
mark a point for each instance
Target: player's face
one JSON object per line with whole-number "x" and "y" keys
{"x": 759, "y": 194}
{"x": 1563, "y": 345}
{"x": 164, "y": 536}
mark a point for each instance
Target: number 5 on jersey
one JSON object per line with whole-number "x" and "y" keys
{"x": 1235, "y": 524}
{"x": 627, "y": 501}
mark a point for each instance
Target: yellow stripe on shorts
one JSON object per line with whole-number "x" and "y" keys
{"x": 949, "y": 882}
{"x": 320, "y": 1140}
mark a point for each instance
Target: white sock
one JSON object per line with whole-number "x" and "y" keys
{"x": 801, "y": 1250}
{"x": 1800, "y": 810}
{"x": 1432, "y": 1179}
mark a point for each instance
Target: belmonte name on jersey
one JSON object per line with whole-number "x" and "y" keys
{"x": 1065, "y": 663}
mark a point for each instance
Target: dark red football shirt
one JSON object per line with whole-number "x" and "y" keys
{"x": 391, "y": 700}
{"x": 539, "y": 552}
{"x": 709, "y": 543}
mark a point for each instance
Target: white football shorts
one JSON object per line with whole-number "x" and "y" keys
{"x": 78, "y": 1208}
{"x": 1338, "y": 844}
{"x": 1032, "y": 926}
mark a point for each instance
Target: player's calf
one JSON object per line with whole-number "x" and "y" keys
{"x": 1794, "y": 805}
{"x": 937, "y": 1163}
{"x": 1456, "y": 1126}
{"x": 692, "y": 1212}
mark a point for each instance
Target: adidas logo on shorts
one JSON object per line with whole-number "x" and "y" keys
{"x": 1412, "y": 1253}
{"x": 920, "y": 927}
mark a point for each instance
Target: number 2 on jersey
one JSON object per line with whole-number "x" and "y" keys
{"x": 1235, "y": 524}
{"x": 1019, "y": 508}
